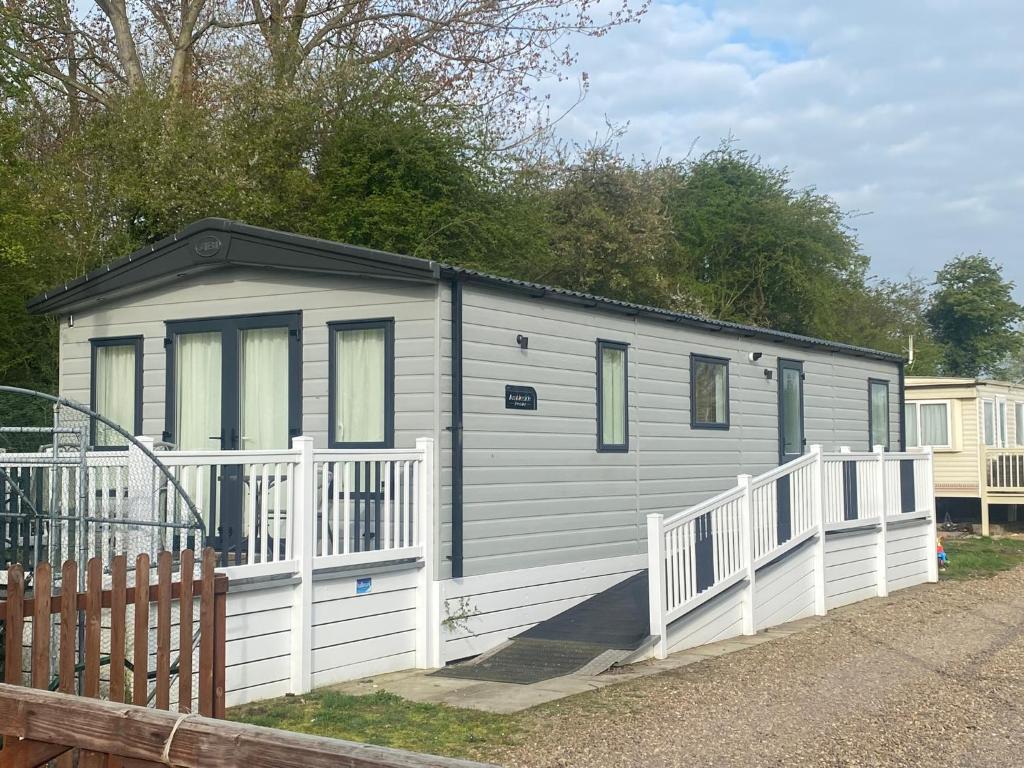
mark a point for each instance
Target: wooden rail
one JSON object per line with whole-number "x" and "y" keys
{"x": 41, "y": 726}
{"x": 46, "y": 602}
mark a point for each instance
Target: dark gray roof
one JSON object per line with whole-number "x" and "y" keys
{"x": 217, "y": 243}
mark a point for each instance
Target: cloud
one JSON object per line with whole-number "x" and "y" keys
{"x": 911, "y": 111}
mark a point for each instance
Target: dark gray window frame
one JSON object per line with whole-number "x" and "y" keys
{"x": 695, "y": 358}
{"x": 115, "y": 341}
{"x": 871, "y": 417}
{"x": 388, "y": 325}
{"x": 602, "y": 446}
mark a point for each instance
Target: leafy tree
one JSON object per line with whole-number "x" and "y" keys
{"x": 973, "y": 315}
{"x": 758, "y": 250}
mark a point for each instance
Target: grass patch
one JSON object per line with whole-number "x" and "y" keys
{"x": 385, "y": 720}
{"x": 981, "y": 557}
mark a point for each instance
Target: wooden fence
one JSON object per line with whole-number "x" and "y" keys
{"x": 78, "y": 667}
{"x": 41, "y": 726}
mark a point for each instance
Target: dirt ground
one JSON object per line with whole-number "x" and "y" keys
{"x": 931, "y": 676}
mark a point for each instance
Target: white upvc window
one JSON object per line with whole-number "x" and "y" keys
{"x": 929, "y": 423}
{"x": 994, "y": 422}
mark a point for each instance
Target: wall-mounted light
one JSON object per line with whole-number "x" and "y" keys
{"x": 522, "y": 341}
{"x": 71, "y": 321}
{"x": 755, "y": 356}
{"x": 768, "y": 373}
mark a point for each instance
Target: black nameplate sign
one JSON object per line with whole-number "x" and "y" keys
{"x": 520, "y": 398}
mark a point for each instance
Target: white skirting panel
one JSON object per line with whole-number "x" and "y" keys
{"x": 718, "y": 619}
{"x": 358, "y": 634}
{"x": 258, "y": 649}
{"x": 908, "y": 549}
{"x": 851, "y": 566}
{"x": 784, "y": 590}
{"x": 481, "y": 612}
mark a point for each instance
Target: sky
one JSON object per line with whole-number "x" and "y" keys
{"x": 910, "y": 113}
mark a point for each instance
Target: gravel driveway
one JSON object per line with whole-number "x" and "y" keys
{"x": 931, "y": 676}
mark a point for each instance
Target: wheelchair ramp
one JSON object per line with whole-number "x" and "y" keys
{"x": 593, "y": 635}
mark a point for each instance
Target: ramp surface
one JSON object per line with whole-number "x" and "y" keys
{"x": 614, "y": 620}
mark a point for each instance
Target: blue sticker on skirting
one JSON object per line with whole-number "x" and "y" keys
{"x": 363, "y": 585}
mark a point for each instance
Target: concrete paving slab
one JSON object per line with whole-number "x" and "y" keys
{"x": 508, "y": 698}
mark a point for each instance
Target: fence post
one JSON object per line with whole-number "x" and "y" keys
{"x": 881, "y": 504}
{"x": 656, "y": 581}
{"x": 818, "y": 500}
{"x": 428, "y": 588}
{"x": 302, "y": 600}
{"x": 929, "y": 489}
{"x": 747, "y": 552}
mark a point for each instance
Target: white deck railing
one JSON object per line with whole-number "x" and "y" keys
{"x": 1004, "y": 469}
{"x": 264, "y": 511}
{"x": 706, "y": 549}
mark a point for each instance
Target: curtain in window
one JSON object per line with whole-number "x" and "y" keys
{"x": 115, "y": 391}
{"x": 879, "y": 415}
{"x": 988, "y": 408}
{"x": 910, "y": 414}
{"x": 359, "y": 386}
{"x": 710, "y": 392}
{"x": 264, "y": 389}
{"x": 613, "y": 396}
{"x": 934, "y": 424}
{"x": 197, "y": 395}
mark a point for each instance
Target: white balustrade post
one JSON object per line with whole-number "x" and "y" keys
{"x": 428, "y": 588}
{"x": 656, "y": 582}
{"x": 931, "y": 551}
{"x": 747, "y": 552}
{"x": 818, "y": 502}
{"x": 882, "y": 506}
{"x": 302, "y": 600}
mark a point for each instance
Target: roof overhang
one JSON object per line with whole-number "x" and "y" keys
{"x": 211, "y": 244}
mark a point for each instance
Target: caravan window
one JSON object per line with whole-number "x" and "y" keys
{"x": 994, "y": 422}
{"x": 928, "y": 423}
{"x": 1018, "y": 415}
{"x": 709, "y": 392}
{"x": 116, "y": 388}
{"x": 878, "y": 413}
{"x": 612, "y": 396}
{"x": 362, "y": 388}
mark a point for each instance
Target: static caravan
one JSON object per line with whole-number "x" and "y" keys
{"x": 544, "y": 428}
{"x": 976, "y": 428}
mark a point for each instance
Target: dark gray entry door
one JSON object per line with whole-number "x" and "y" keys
{"x": 791, "y": 410}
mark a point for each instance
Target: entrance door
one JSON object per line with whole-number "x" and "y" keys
{"x": 233, "y": 383}
{"x": 791, "y": 410}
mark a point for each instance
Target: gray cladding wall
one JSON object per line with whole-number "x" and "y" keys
{"x": 536, "y": 490}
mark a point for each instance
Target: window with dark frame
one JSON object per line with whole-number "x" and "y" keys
{"x": 709, "y": 392}
{"x": 115, "y": 389}
{"x": 361, "y": 370}
{"x": 612, "y": 396}
{"x": 878, "y": 413}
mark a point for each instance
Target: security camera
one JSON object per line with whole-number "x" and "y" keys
{"x": 755, "y": 356}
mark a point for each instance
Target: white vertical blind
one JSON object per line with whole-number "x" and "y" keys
{"x": 198, "y": 391}
{"x": 115, "y": 391}
{"x": 359, "y": 385}
{"x": 263, "y": 386}
{"x": 613, "y": 396}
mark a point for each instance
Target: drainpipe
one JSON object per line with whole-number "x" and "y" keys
{"x": 903, "y": 405}
{"x": 456, "y": 428}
